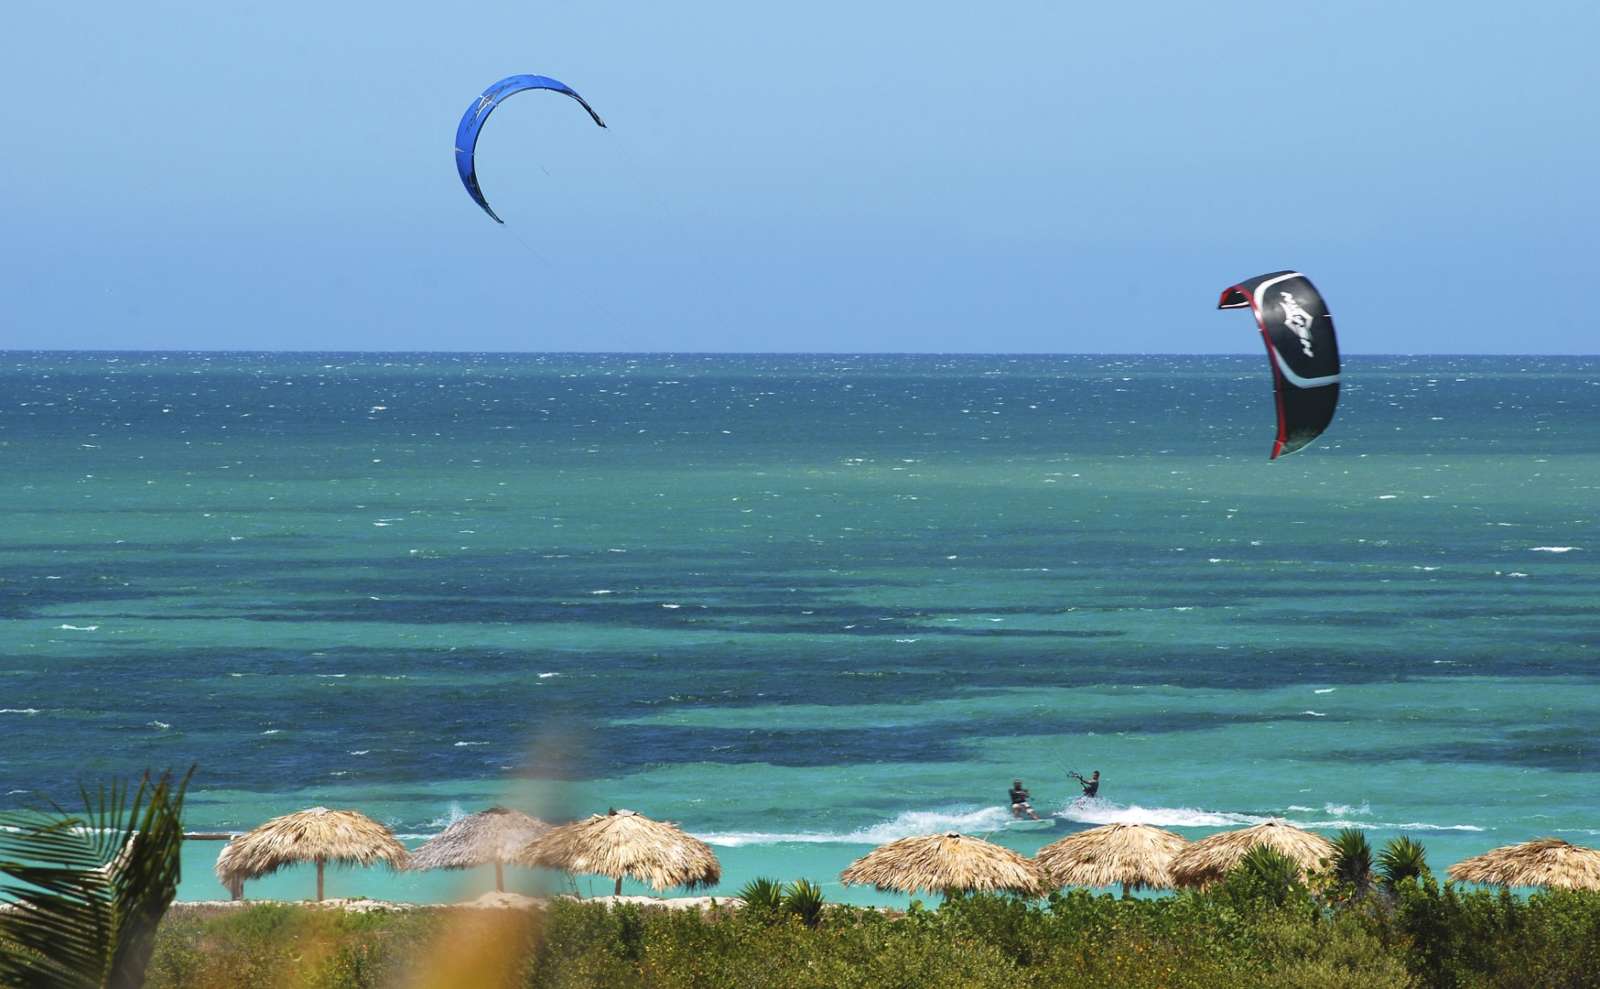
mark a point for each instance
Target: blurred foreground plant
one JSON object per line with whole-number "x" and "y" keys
{"x": 89, "y": 889}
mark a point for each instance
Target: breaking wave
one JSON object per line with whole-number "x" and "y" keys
{"x": 987, "y": 820}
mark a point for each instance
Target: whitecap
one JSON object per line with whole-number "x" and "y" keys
{"x": 158, "y": 724}
{"x": 452, "y": 814}
{"x": 602, "y": 592}
{"x": 1387, "y": 497}
{"x": 1097, "y": 811}
{"x": 359, "y": 751}
{"x": 546, "y": 676}
{"x": 1347, "y": 810}
{"x": 1314, "y": 714}
{"x": 466, "y": 745}
{"x": 19, "y": 710}
{"x": 272, "y": 731}
{"x": 1325, "y": 690}
{"x": 967, "y": 820}
{"x": 672, "y": 607}
{"x": 1554, "y": 549}
{"x": 77, "y": 628}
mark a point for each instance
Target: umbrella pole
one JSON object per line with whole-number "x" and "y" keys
{"x": 499, "y": 878}
{"x": 618, "y": 891}
{"x": 319, "y": 880}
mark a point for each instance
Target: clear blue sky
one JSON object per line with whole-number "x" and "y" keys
{"x": 823, "y": 176}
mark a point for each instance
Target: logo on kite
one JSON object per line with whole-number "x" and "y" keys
{"x": 478, "y": 112}
{"x": 1298, "y": 321}
{"x": 1301, "y": 348}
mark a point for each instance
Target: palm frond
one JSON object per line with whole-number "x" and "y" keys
{"x": 90, "y": 889}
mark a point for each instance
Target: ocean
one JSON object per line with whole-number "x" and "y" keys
{"x": 801, "y": 604}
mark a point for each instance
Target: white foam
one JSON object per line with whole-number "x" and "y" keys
{"x": 272, "y": 731}
{"x": 159, "y": 724}
{"x": 985, "y": 820}
{"x": 546, "y": 676}
{"x": 359, "y": 751}
{"x": 1325, "y": 690}
{"x": 966, "y": 820}
{"x": 1097, "y": 811}
{"x": 1545, "y": 549}
{"x": 77, "y": 628}
{"x": 452, "y": 814}
{"x": 1314, "y": 714}
{"x": 1346, "y": 810}
{"x": 468, "y": 745}
{"x": 19, "y": 710}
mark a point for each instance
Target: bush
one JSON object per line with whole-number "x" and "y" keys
{"x": 1254, "y": 929}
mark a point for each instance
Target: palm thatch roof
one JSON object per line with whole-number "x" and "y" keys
{"x": 946, "y": 863}
{"x": 1209, "y": 859}
{"x": 625, "y": 843}
{"x": 491, "y": 837}
{"x": 1548, "y": 862}
{"x": 318, "y": 835}
{"x": 1130, "y": 855}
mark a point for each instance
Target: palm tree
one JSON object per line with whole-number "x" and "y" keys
{"x": 1271, "y": 872}
{"x": 1352, "y": 860}
{"x": 1401, "y": 860}
{"x": 90, "y": 888}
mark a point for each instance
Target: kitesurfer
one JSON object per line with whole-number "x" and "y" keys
{"x": 1019, "y": 801}
{"x": 1091, "y": 786}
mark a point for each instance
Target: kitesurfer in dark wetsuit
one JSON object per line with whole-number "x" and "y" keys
{"x": 1091, "y": 786}
{"x": 1019, "y": 801}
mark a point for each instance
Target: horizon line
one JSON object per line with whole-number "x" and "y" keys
{"x": 757, "y": 353}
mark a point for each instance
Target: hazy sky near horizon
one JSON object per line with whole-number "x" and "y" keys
{"x": 829, "y": 176}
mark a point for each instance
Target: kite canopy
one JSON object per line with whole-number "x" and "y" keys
{"x": 472, "y": 122}
{"x": 1298, "y": 331}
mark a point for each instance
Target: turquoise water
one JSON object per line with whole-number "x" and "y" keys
{"x": 802, "y": 604}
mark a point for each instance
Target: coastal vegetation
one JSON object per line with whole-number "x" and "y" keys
{"x": 1263, "y": 925}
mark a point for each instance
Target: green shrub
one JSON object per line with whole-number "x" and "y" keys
{"x": 803, "y": 900}
{"x": 763, "y": 899}
{"x": 1256, "y": 929}
{"x": 1403, "y": 860}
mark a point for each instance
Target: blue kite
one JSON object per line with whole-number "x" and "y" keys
{"x": 478, "y": 112}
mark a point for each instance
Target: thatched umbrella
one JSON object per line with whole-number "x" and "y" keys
{"x": 490, "y": 837}
{"x": 946, "y": 863}
{"x": 317, "y": 835}
{"x": 622, "y": 843}
{"x": 1209, "y": 859}
{"x": 1547, "y": 862}
{"x": 1132, "y": 855}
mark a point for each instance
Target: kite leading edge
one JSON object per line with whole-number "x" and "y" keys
{"x": 472, "y": 122}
